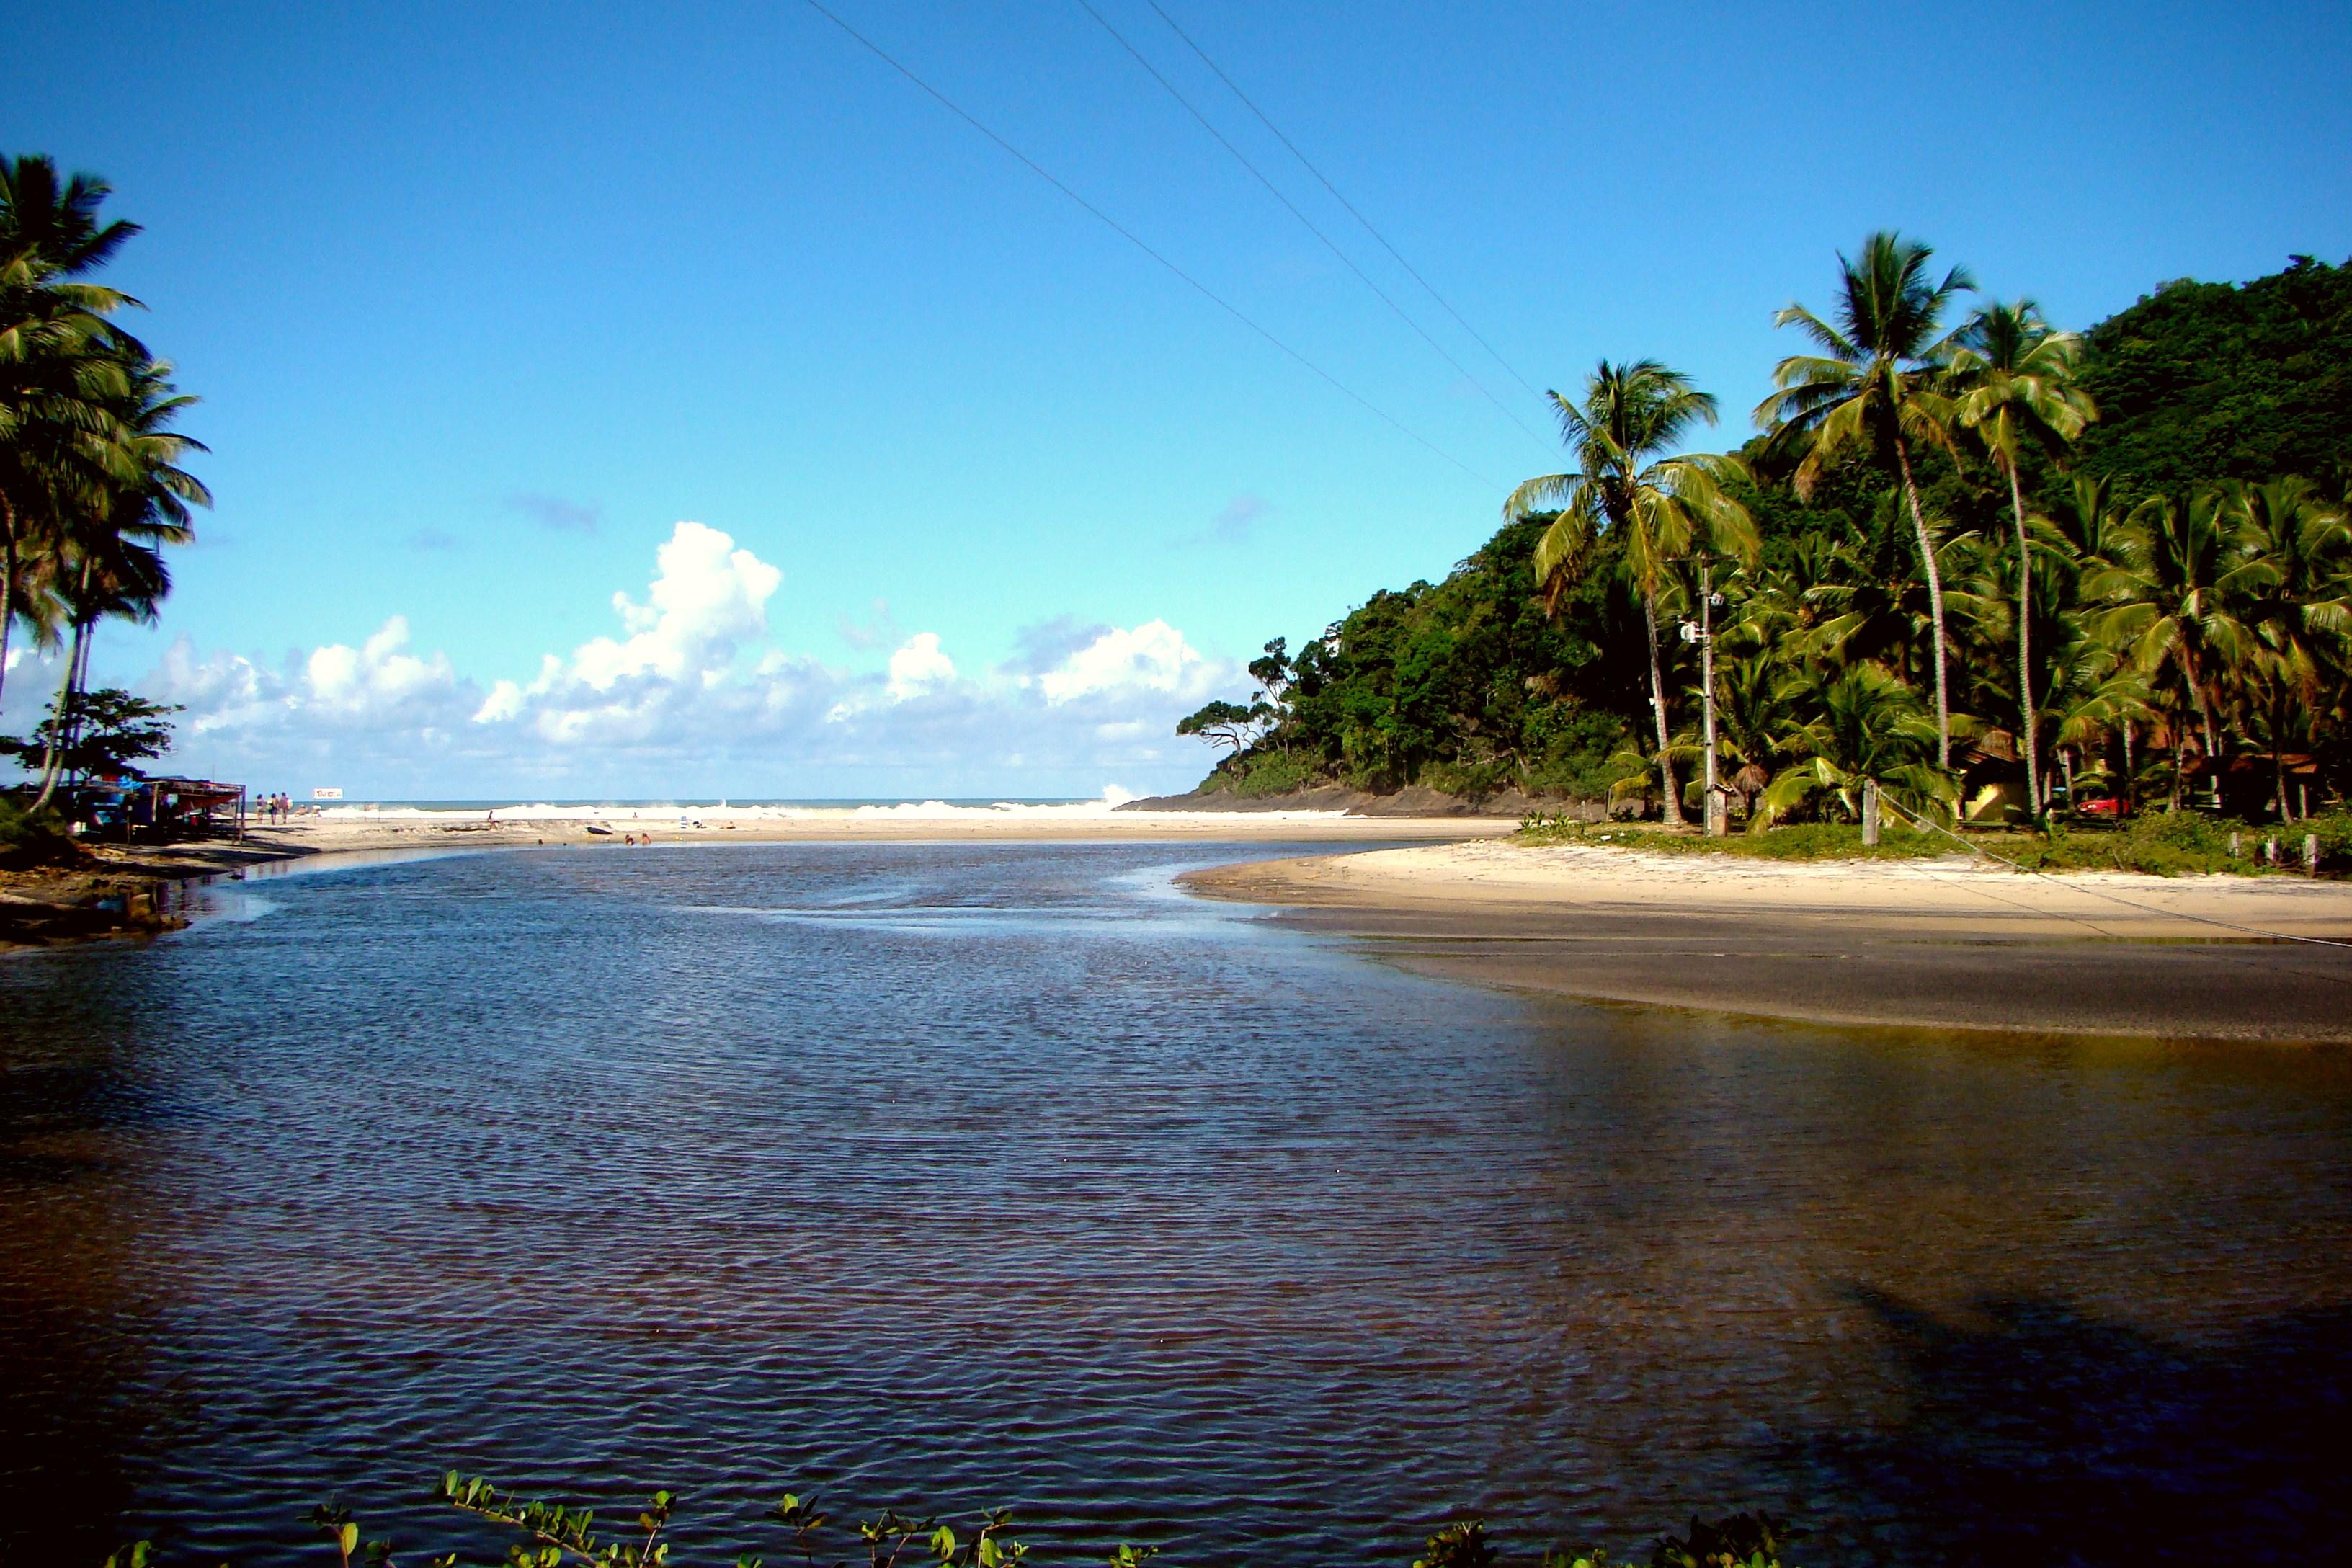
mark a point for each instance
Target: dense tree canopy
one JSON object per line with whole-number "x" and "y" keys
{"x": 2200, "y": 382}
{"x": 2141, "y": 546}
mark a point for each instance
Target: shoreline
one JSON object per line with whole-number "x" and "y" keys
{"x": 1919, "y": 944}
{"x": 126, "y": 892}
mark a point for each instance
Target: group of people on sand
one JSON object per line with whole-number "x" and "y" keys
{"x": 276, "y": 808}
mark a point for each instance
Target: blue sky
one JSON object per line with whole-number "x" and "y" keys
{"x": 484, "y": 302}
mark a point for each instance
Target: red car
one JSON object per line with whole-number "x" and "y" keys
{"x": 2111, "y": 806}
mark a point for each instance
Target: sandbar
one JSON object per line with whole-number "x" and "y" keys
{"x": 1953, "y": 942}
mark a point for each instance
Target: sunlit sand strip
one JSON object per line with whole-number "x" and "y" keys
{"x": 1957, "y": 891}
{"x": 353, "y": 828}
{"x": 1933, "y": 945}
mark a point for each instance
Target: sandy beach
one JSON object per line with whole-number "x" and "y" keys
{"x": 1937, "y": 943}
{"x": 927, "y": 822}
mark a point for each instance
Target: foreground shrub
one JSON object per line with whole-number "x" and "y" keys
{"x": 556, "y": 1535}
{"x": 28, "y": 840}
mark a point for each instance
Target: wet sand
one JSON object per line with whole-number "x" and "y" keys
{"x": 1933, "y": 944}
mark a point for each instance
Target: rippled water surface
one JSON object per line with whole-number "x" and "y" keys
{"x": 965, "y": 1174}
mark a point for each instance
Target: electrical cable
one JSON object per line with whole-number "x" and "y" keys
{"x": 1292, "y": 208}
{"x": 1343, "y": 201}
{"x": 1133, "y": 238}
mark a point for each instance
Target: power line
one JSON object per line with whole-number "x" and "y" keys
{"x": 1328, "y": 243}
{"x": 1343, "y": 201}
{"x": 2102, "y": 893}
{"x": 1133, "y": 238}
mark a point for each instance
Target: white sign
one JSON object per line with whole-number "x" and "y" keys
{"x": 326, "y": 794}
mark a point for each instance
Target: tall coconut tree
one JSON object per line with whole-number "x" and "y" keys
{"x": 2177, "y": 587}
{"x": 1873, "y": 386}
{"x": 55, "y": 363}
{"x": 2298, "y": 573}
{"x": 1626, "y": 486}
{"x": 131, "y": 497}
{"x": 2016, "y": 380}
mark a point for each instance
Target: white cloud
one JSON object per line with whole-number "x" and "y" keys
{"x": 918, "y": 667}
{"x": 707, "y": 597}
{"x": 1154, "y": 657}
{"x": 377, "y": 682}
{"x": 689, "y": 692}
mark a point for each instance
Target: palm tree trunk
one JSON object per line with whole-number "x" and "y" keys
{"x": 2025, "y": 642}
{"x": 74, "y": 775}
{"x": 1935, "y": 603}
{"x": 1658, "y": 711}
{"x": 2188, "y": 662}
{"x": 53, "y": 754}
{"x": 7, "y": 585}
{"x": 2278, "y": 759}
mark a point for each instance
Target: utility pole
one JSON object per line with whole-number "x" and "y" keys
{"x": 1717, "y": 820}
{"x": 1715, "y": 825}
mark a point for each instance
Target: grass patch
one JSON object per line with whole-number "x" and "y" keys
{"x": 2164, "y": 843}
{"x": 1800, "y": 841}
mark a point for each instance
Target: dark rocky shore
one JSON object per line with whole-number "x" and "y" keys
{"x": 110, "y": 891}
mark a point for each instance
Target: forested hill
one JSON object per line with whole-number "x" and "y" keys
{"x": 1470, "y": 687}
{"x": 2210, "y": 381}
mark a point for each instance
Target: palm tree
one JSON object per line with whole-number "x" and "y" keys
{"x": 2176, "y": 587}
{"x": 1656, "y": 507}
{"x": 2299, "y": 574}
{"x": 2017, "y": 381}
{"x": 2095, "y": 695}
{"x": 2090, "y": 522}
{"x": 1865, "y": 729}
{"x": 1873, "y": 384}
{"x": 2088, "y": 525}
{"x": 52, "y": 340}
{"x": 134, "y": 499}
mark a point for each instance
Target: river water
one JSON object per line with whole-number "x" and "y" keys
{"x": 950, "y": 1176}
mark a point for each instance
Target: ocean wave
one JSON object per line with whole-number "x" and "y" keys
{"x": 1110, "y": 800}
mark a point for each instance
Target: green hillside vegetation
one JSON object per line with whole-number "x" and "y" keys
{"x": 2173, "y": 481}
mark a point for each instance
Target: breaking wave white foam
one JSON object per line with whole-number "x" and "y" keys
{"x": 1111, "y": 799}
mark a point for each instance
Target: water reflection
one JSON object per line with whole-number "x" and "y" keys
{"x": 983, "y": 1174}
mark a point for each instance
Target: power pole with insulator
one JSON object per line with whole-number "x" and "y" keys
{"x": 1719, "y": 820}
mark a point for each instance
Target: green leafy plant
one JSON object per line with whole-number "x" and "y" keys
{"x": 558, "y": 1535}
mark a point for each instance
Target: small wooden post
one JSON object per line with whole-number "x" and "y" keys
{"x": 1869, "y": 813}
{"x": 2311, "y": 853}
